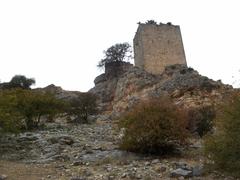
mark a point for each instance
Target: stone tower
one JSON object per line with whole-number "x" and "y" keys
{"x": 157, "y": 46}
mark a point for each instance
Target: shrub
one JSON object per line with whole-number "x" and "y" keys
{"x": 155, "y": 127}
{"x": 82, "y": 106}
{"x": 151, "y": 22}
{"x": 10, "y": 119}
{"x": 201, "y": 120}
{"x": 223, "y": 146}
{"x": 26, "y": 107}
{"x": 34, "y": 105}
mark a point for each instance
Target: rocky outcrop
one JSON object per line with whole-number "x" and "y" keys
{"x": 106, "y": 84}
{"x": 59, "y": 92}
{"x": 121, "y": 91}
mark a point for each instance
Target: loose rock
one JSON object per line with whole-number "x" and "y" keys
{"x": 3, "y": 177}
{"x": 181, "y": 172}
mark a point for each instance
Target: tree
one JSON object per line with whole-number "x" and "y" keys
{"x": 20, "y": 81}
{"x": 116, "y": 53}
{"x": 26, "y": 107}
{"x": 83, "y": 106}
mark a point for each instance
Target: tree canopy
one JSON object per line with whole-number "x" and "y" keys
{"x": 83, "y": 106}
{"x": 23, "y": 109}
{"x": 116, "y": 53}
{"x": 20, "y": 81}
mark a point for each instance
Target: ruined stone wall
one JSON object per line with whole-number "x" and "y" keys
{"x": 114, "y": 69}
{"x": 157, "y": 46}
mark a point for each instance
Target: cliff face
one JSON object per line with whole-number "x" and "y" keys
{"x": 106, "y": 84}
{"x": 120, "y": 92}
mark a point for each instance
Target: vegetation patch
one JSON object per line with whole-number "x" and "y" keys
{"x": 201, "y": 120}
{"x": 82, "y": 107}
{"x": 154, "y": 127}
{"x": 23, "y": 109}
{"x": 222, "y": 147}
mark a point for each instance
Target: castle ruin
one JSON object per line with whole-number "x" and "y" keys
{"x": 157, "y": 46}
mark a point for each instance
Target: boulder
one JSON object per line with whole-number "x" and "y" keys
{"x": 99, "y": 79}
{"x": 181, "y": 173}
{"x": 3, "y": 177}
{"x": 197, "y": 170}
{"x": 64, "y": 140}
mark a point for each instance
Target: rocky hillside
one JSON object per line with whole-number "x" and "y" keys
{"x": 59, "y": 92}
{"x": 90, "y": 152}
{"x": 127, "y": 86}
{"x": 63, "y": 150}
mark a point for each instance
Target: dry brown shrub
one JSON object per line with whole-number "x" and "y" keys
{"x": 154, "y": 127}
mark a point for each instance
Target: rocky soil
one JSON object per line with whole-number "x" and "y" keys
{"x": 90, "y": 152}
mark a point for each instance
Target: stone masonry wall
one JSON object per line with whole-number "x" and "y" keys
{"x": 157, "y": 46}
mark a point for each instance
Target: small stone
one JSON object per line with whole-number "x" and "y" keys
{"x": 111, "y": 177}
{"x": 124, "y": 175}
{"x": 134, "y": 169}
{"x": 77, "y": 163}
{"x": 66, "y": 140}
{"x": 97, "y": 148}
{"x": 155, "y": 161}
{"x": 89, "y": 151}
{"x": 49, "y": 176}
{"x": 163, "y": 168}
{"x": 67, "y": 170}
{"x": 181, "y": 172}
{"x": 181, "y": 165}
{"x": 197, "y": 170}
{"x": 61, "y": 166}
{"x": 87, "y": 173}
{"x": 138, "y": 176}
{"x": 109, "y": 169}
{"x": 147, "y": 163}
{"x": 3, "y": 177}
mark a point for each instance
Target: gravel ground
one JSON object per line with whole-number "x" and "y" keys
{"x": 90, "y": 152}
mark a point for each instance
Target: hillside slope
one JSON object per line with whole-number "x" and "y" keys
{"x": 120, "y": 92}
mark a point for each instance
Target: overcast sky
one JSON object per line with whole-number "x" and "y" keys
{"x": 61, "y": 41}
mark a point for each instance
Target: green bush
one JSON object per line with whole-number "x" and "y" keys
{"x": 21, "y": 108}
{"x": 10, "y": 119}
{"x": 154, "y": 127}
{"x": 19, "y": 81}
{"x": 201, "y": 120}
{"x": 223, "y": 146}
{"x": 82, "y": 106}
